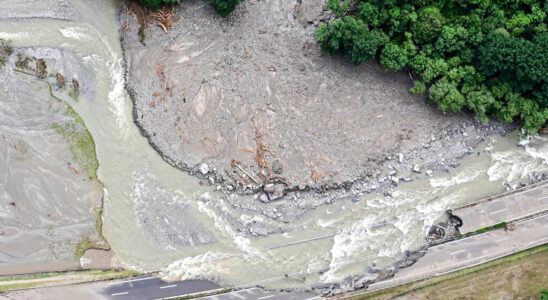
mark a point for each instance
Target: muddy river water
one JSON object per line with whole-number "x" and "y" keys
{"x": 157, "y": 217}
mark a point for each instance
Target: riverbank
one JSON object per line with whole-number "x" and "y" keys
{"x": 53, "y": 199}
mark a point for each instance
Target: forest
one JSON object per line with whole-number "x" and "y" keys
{"x": 486, "y": 57}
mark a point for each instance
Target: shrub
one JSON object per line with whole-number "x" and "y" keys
{"x": 544, "y": 294}
{"x": 155, "y": 4}
{"x": 500, "y": 225}
{"x": 224, "y": 7}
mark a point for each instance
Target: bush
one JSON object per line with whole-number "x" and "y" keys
{"x": 500, "y": 225}
{"x": 155, "y": 4}
{"x": 224, "y": 7}
{"x": 544, "y": 294}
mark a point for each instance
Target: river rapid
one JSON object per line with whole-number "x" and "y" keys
{"x": 158, "y": 218}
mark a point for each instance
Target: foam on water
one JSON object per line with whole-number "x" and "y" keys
{"x": 76, "y": 33}
{"x": 14, "y": 36}
{"x": 519, "y": 163}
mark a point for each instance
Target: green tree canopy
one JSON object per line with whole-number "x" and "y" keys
{"x": 482, "y": 56}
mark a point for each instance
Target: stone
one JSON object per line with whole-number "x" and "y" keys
{"x": 203, "y": 168}
{"x": 275, "y": 195}
{"x": 400, "y": 157}
{"x": 394, "y": 179}
{"x": 416, "y": 169}
{"x": 392, "y": 173}
{"x": 60, "y": 80}
{"x": 277, "y": 167}
{"x": 269, "y": 188}
{"x": 264, "y": 198}
{"x": 429, "y": 172}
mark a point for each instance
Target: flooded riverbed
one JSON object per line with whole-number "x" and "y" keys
{"x": 157, "y": 217}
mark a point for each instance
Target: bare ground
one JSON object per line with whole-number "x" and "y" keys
{"x": 251, "y": 102}
{"x": 48, "y": 200}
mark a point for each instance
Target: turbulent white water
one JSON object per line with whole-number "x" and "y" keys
{"x": 159, "y": 218}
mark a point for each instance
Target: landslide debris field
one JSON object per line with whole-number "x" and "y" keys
{"x": 251, "y": 102}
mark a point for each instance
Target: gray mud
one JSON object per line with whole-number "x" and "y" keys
{"x": 49, "y": 198}
{"x": 51, "y": 9}
{"x": 251, "y": 103}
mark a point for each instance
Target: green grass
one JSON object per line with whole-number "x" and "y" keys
{"x": 81, "y": 247}
{"x": 74, "y": 95}
{"x": 81, "y": 146}
{"x": 62, "y": 278}
{"x": 18, "y": 286}
{"x": 32, "y": 276}
{"x": 466, "y": 277}
{"x": 484, "y": 229}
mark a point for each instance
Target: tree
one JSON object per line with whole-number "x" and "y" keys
{"x": 351, "y": 36}
{"x": 487, "y": 57}
{"x": 447, "y": 96}
{"x": 428, "y": 24}
{"x": 451, "y": 39}
{"x": 394, "y": 57}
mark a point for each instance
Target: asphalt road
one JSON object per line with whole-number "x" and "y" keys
{"x": 153, "y": 288}
{"x": 259, "y": 294}
{"x": 472, "y": 250}
{"x": 505, "y": 208}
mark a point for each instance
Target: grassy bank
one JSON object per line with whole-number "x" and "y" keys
{"x": 523, "y": 274}
{"x": 58, "y": 278}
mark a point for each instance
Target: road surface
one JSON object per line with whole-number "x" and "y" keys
{"x": 506, "y": 208}
{"x": 148, "y": 287}
{"x": 473, "y": 250}
{"x": 259, "y": 294}
{"x": 153, "y": 288}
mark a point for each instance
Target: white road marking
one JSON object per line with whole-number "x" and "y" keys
{"x": 119, "y": 294}
{"x": 237, "y": 295}
{"x": 168, "y": 286}
{"x": 533, "y": 242}
{"x": 533, "y": 219}
{"x": 120, "y": 282}
{"x": 266, "y": 297}
{"x": 457, "y": 252}
{"x": 498, "y": 211}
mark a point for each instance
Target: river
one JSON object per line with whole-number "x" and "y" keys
{"x": 157, "y": 217}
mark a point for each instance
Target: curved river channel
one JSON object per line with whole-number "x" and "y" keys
{"x": 157, "y": 217}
